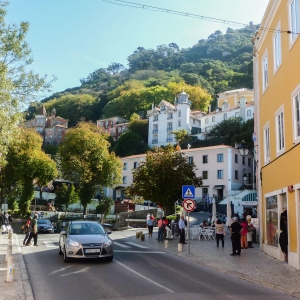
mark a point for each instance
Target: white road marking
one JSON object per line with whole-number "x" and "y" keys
{"x": 121, "y": 245}
{"x": 136, "y": 245}
{"x": 49, "y": 244}
{"x": 144, "y": 277}
{"x": 132, "y": 251}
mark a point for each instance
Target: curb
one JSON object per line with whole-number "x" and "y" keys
{"x": 24, "y": 274}
{"x": 240, "y": 276}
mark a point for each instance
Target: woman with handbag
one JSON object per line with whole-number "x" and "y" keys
{"x": 250, "y": 229}
{"x": 219, "y": 232}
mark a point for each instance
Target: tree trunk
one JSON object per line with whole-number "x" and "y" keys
{"x": 41, "y": 194}
{"x": 84, "y": 210}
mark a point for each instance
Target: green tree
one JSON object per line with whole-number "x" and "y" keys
{"x": 140, "y": 127}
{"x": 181, "y": 136}
{"x": 104, "y": 207}
{"x": 26, "y": 163}
{"x": 86, "y": 161}
{"x": 18, "y": 86}
{"x": 161, "y": 176}
{"x": 66, "y": 195}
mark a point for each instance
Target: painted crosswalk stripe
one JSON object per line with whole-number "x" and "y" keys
{"x": 121, "y": 245}
{"x": 136, "y": 245}
{"x": 49, "y": 244}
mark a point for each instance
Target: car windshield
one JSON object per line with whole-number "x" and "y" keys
{"x": 86, "y": 229}
{"x": 44, "y": 222}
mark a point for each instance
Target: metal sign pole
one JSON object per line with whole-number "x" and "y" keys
{"x": 189, "y": 232}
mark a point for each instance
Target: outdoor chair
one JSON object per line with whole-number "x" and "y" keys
{"x": 210, "y": 234}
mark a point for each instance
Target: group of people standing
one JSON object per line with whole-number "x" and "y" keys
{"x": 30, "y": 228}
{"x": 241, "y": 234}
{"x": 6, "y": 221}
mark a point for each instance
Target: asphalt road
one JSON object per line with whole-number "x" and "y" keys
{"x": 135, "y": 273}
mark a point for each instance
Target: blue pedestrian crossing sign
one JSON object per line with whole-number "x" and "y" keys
{"x": 188, "y": 191}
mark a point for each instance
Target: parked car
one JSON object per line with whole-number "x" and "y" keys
{"x": 107, "y": 227}
{"x": 44, "y": 226}
{"x": 86, "y": 240}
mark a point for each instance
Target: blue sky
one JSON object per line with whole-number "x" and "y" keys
{"x": 72, "y": 38}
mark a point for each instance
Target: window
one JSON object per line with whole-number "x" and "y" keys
{"x": 125, "y": 166}
{"x": 155, "y": 118}
{"x": 236, "y": 175}
{"x": 50, "y": 136}
{"x": 294, "y": 19}
{"x": 248, "y": 112}
{"x": 225, "y": 116}
{"x": 213, "y": 119}
{"x": 179, "y": 123}
{"x": 124, "y": 179}
{"x": 191, "y": 159}
{"x": 205, "y": 159}
{"x": 280, "y": 132}
{"x": 244, "y": 160}
{"x": 220, "y": 157}
{"x": 265, "y": 74}
{"x": 272, "y": 220}
{"x": 204, "y": 174}
{"x": 206, "y": 121}
{"x": 170, "y": 116}
{"x": 237, "y": 114}
{"x": 236, "y": 158}
{"x": 135, "y": 165}
{"x": 179, "y": 114}
{"x": 220, "y": 174}
{"x": 249, "y": 162}
{"x": 224, "y": 105}
{"x": 59, "y": 136}
{"x": 297, "y": 115}
{"x": 277, "y": 48}
{"x": 267, "y": 143}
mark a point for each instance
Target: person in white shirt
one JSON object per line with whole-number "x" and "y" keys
{"x": 181, "y": 225}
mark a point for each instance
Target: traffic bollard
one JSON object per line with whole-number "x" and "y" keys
{"x": 179, "y": 247}
{"x": 137, "y": 235}
{"x": 10, "y": 233}
{"x": 142, "y": 237}
{"x": 10, "y": 274}
{"x": 8, "y": 252}
{"x": 166, "y": 243}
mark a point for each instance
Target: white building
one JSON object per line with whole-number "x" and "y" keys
{"x": 166, "y": 117}
{"x": 222, "y": 168}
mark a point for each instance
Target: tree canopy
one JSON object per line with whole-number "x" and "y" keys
{"x": 86, "y": 161}
{"x": 161, "y": 176}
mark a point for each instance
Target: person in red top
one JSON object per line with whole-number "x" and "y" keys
{"x": 26, "y": 230}
{"x": 161, "y": 229}
{"x": 244, "y": 243}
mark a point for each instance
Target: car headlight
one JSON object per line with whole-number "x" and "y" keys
{"x": 107, "y": 243}
{"x": 73, "y": 243}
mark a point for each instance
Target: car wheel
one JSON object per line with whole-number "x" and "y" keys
{"x": 59, "y": 249}
{"x": 66, "y": 258}
{"x": 110, "y": 258}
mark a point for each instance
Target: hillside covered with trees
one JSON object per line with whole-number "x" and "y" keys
{"x": 220, "y": 62}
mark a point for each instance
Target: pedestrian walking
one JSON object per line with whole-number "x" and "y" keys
{"x": 161, "y": 230}
{"x": 33, "y": 231}
{"x": 182, "y": 226}
{"x": 26, "y": 230}
{"x": 220, "y": 232}
{"x": 244, "y": 243}
{"x": 235, "y": 230}
{"x": 150, "y": 223}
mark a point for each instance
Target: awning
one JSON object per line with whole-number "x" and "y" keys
{"x": 219, "y": 187}
{"x": 250, "y": 199}
{"x": 119, "y": 187}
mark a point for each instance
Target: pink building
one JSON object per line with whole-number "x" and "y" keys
{"x": 115, "y": 126}
{"x": 52, "y": 128}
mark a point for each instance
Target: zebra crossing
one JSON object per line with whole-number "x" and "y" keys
{"x": 118, "y": 246}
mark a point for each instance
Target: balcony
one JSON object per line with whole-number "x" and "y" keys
{"x": 155, "y": 131}
{"x": 169, "y": 129}
{"x": 154, "y": 141}
{"x": 169, "y": 140}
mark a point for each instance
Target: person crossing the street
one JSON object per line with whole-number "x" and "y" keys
{"x": 33, "y": 232}
{"x": 182, "y": 226}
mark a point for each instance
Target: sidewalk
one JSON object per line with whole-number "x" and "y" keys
{"x": 253, "y": 265}
{"x": 20, "y": 288}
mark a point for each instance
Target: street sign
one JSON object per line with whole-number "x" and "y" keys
{"x": 188, "y": 191}
{"x": 4, "y": 206}
{"x": 188, "y": 205}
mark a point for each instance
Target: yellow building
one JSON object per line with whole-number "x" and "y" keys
{"x": 232, "y": 98}
{"x": 277, "y": 124}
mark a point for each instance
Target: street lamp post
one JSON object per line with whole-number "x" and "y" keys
{"x": 128, "y": 215}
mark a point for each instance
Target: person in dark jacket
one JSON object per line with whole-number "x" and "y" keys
{"x": 235, "y": 235}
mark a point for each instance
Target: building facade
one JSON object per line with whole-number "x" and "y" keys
{"x": 221, "y": 167}
{"x": 277, "y": 124}
{"x": 52, "y": 128}
{"x": 115, "y": 126}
